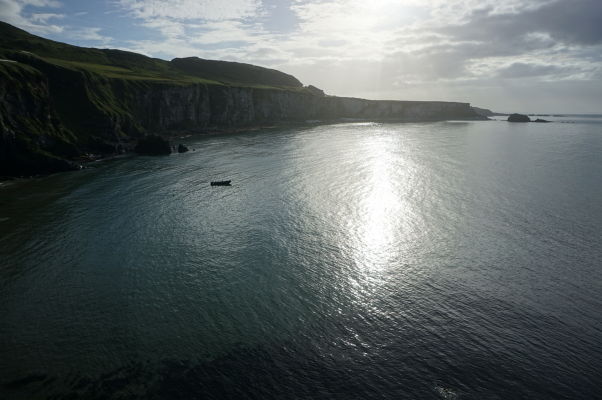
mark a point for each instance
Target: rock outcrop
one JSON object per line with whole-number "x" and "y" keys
{"x": 518, "y": 118}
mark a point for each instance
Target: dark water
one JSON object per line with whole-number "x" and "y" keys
{"x": 355, "y": 261}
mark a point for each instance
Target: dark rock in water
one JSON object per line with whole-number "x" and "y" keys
{"x": 153, "y": 145}
{"x": 182, "y": 148}
{"x": 518, "y": 118}
{"x": 541, "y": 120}
{"x": 220, "y": 183}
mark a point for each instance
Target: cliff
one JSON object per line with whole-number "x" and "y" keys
{"x": 59, "y": 102}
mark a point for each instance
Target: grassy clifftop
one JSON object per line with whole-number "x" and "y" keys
{"x": 128, "y": 65}
{"x": 233, "y": 72}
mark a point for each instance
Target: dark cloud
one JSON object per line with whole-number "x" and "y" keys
{"x": 576, "y": 22}
{"x": 523, "y": 70}
{"x": 568, "y": 31}
{"x": 566, "y": 21}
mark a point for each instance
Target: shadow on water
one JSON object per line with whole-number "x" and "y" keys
{"x": 260, "y": 373}
{"x": 416, "y": 362}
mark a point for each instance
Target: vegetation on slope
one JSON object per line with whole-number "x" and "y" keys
{"x": 128, "y": 65}
{"x": 29, "y": 141}
{"x": 233, "y": 72}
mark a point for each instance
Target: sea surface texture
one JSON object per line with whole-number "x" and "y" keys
{"x": 452, "y": 260}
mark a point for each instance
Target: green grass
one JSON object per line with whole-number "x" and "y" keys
{"x": 127, "y": 65}
{"x": 112, "y": 71}
{"x": 16, "y": 71}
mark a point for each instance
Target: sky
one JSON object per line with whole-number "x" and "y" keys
{"x": 507, "y": 55}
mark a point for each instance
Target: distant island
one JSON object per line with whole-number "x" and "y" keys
{"x": 524, "y": 118}
{"x": 61, "y": 105}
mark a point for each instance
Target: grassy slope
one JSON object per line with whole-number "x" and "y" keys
{"x": 132, "y": 66}
{"x": 234, "y": 73}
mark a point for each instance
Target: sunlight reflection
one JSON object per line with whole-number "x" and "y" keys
{"x": 380, "y": 209}
{"x": 360, "y": 184}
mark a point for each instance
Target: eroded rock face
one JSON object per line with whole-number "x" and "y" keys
{"x": 518, "y": 118}
{"x": 196, "y": 108}
{"x": 153, "y": 145}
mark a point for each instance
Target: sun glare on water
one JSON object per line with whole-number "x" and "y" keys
{"x": 381, "y": 208}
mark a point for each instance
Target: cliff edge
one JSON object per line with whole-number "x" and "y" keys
{"x": 59, "y": 103}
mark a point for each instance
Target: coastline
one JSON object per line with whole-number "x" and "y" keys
{"x": 83, "y": 161}
{"x": 63, "y": 105}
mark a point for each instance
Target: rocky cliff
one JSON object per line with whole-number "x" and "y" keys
{"x": 55, "y": 110}
{"x": 32, "y": 138}
{"x": 163, "y": 108}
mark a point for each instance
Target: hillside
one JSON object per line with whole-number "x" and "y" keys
{"x": 233, "y": 72}
{"x": 128, "y": 65}
{"x": 61, "y": 103}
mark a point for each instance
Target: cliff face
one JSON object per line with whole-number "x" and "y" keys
{"x": 49, "y": 114}
{"x": 32, "y": 138}
{"x": 161, "y": 108}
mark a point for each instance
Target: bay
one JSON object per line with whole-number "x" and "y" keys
{"x": 357, "y": 260}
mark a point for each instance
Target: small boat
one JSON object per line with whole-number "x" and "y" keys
{"x": 220, "y": 183}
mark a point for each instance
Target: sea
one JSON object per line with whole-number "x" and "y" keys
{"x": 358, "y": 260}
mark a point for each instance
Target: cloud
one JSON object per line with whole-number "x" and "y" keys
{"x": 571, "y": 22}
{"x": 14, "y": 12}
{"x": 195, "y": 27}
{"x": 386, "y": 44}
{"x": 209, "y": 10}
{"x": 169, "y": 28}
{"x": 525, "y": 70}
{"x": 35, "y": 16}
{"x": 89, "y": 34}
{"x": 380, "y": 49}
{"x": 230, "y": 31}
{"x": 43, "y": 18}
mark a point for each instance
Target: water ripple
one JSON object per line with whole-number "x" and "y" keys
{"x": 432, "y": 261}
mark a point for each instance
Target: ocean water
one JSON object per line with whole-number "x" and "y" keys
{"x": 451, "y": 260}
